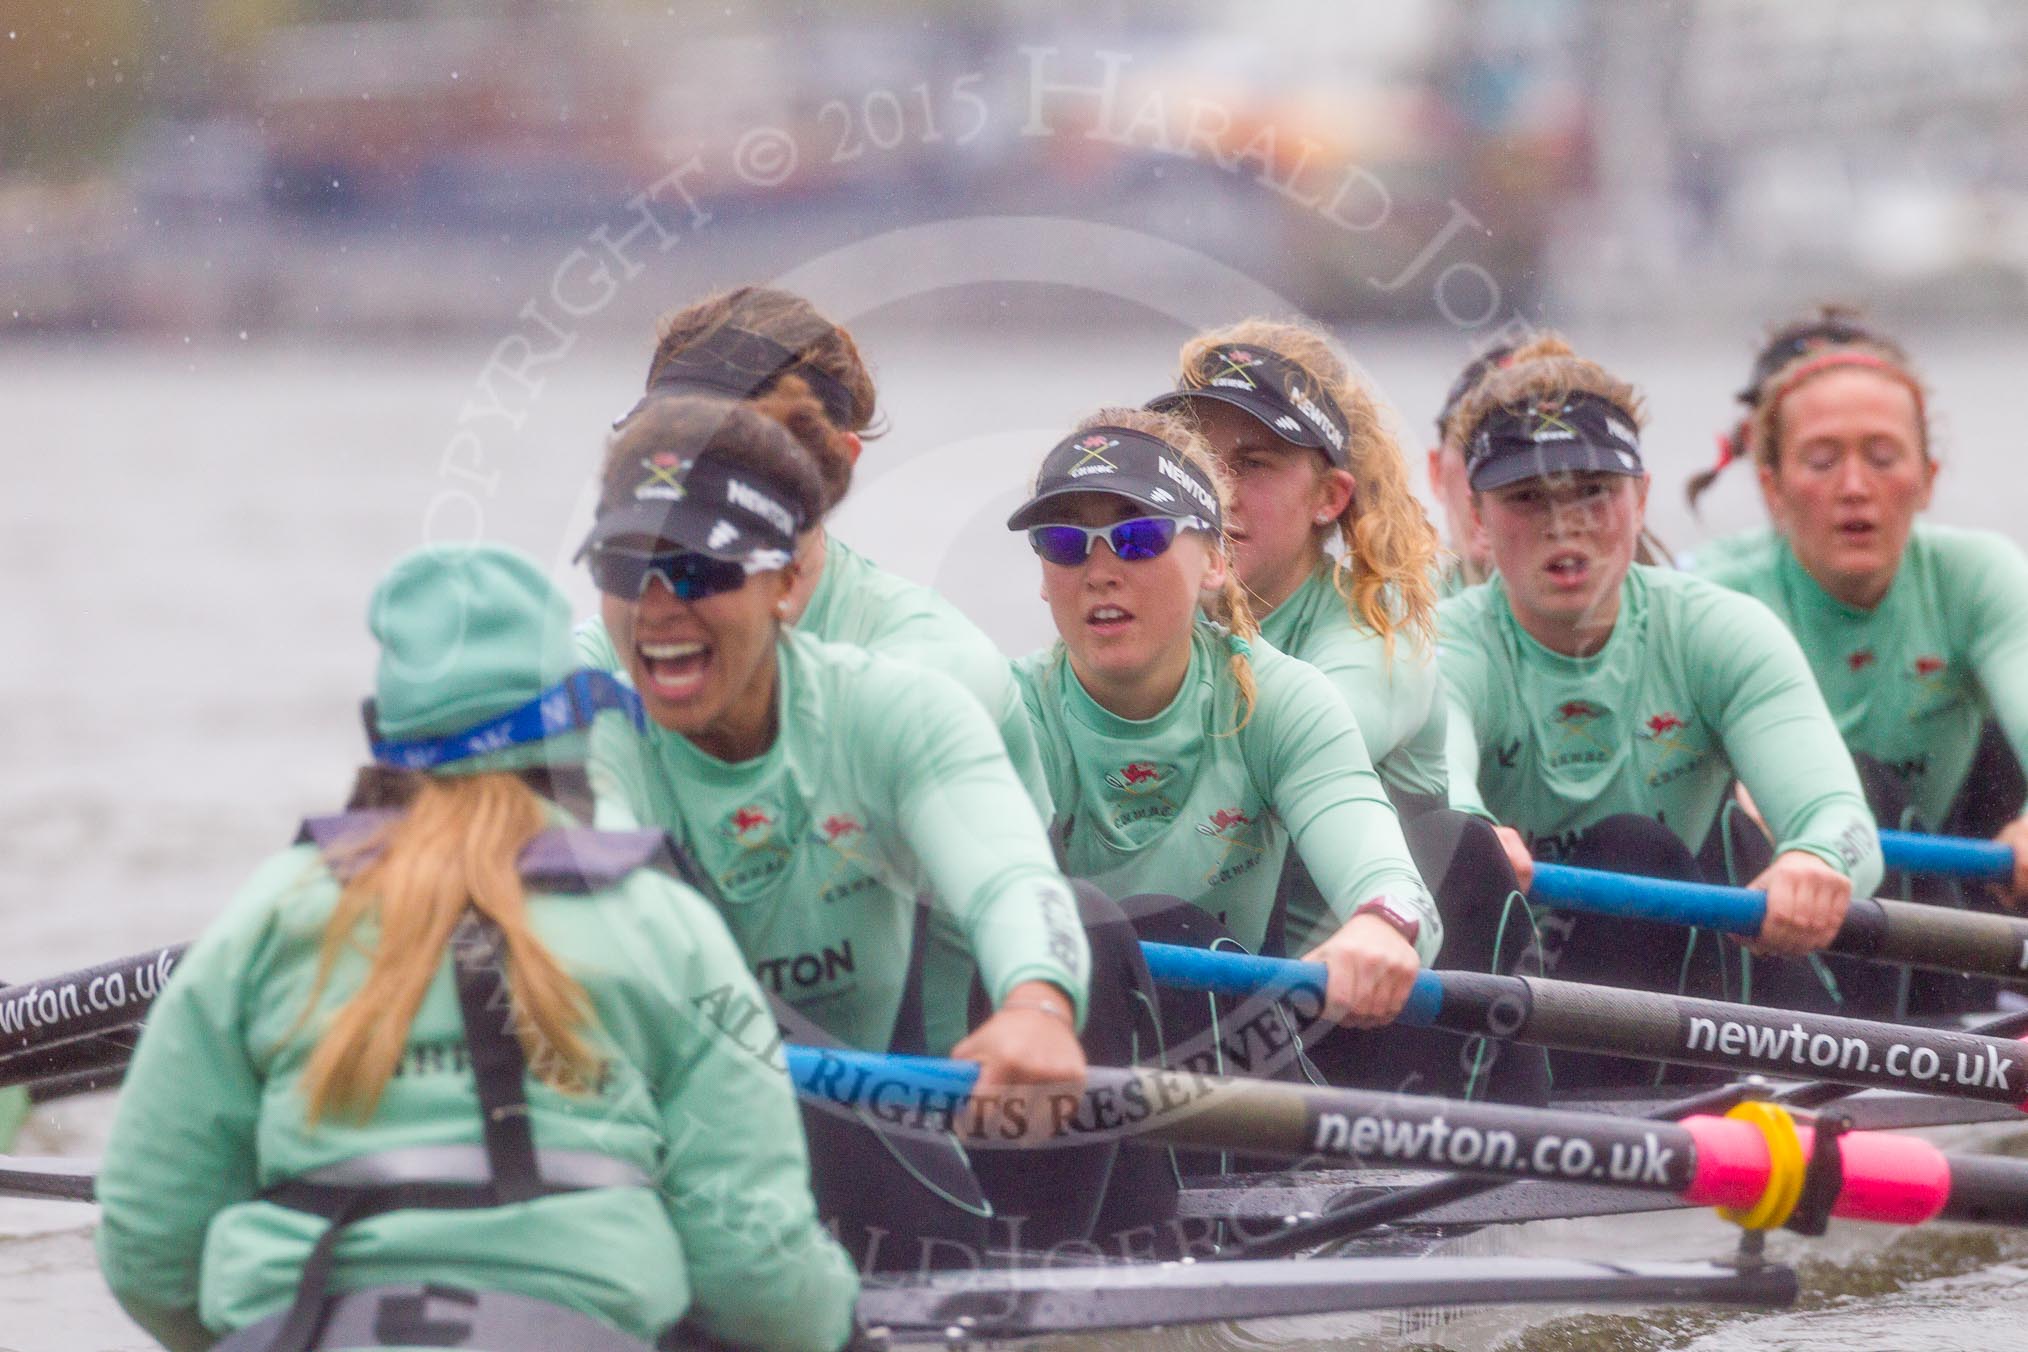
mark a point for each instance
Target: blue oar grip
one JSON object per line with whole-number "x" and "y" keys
{"x": 1735, "y": 910}
{"x": 1228, "y": 973}
{"x": 1947, "y": 856}
{"x": 856, "y": 1078}
{"x": 1242, "y": 975}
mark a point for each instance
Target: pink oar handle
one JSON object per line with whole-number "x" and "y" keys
{"x": 1901, "y": 1180}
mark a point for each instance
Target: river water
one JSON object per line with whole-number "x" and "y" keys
{"x": 188, "y": 535}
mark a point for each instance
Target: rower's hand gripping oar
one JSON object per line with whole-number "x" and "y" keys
{"x": 1753, "y": 1163}
{"x": 1740, "y": 1039}
{"x": 1985, "y": 861}
{"x": 1940, "y": 938}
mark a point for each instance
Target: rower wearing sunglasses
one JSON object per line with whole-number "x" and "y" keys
{"x": 774, "y": 350}
{"x": 1312, "y": 464}
{"x": 451, "y": 1070}
{"x": 1184, "y": 754}
{"x": 1601, "y": 708}
{"x": 820, "y": 790}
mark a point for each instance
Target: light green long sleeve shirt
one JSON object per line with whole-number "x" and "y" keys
{"x": 1913, "y": 680}
{"x": 1182, "y": 805}
{"x": 885, "y": 782}
{"x": 1697, "y": 684}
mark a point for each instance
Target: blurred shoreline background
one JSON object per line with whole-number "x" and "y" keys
{"x": 396, "y": 168}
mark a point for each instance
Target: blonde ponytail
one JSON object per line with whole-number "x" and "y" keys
{"x": 457, "y": 845}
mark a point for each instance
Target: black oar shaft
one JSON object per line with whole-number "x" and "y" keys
{"x": 93, "y": 1054}
{"x": 1987, "y": 1190}
{"x": 1941, "y": 938}
{"x": 61, "y": 1008}
{"x": 1937, "y": 937}
{"x": 1739, "y": 1038}
{"x": 70, "y": 1086}
{"x": 1275, "y": 1119}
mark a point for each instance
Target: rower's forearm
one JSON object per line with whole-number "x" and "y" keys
{"x": 1027, "y": 929}
{"x": 1841, "y": 834}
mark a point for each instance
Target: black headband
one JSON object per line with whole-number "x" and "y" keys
{"x": 1581, "y": 433}
{"x": 744, "y": 364}
{"x": 1783, "y": 350}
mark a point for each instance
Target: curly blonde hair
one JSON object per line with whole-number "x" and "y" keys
{"x": 1387, "y": 572}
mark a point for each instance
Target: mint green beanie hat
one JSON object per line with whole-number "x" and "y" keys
{"x": 468, "y": 635}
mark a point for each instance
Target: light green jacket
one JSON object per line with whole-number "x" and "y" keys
{"x": 211, "y": 1114}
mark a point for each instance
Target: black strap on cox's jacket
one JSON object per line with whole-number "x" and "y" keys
{"x": 499, "y": 1069}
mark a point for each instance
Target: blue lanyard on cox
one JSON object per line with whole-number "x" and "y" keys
{"x": 569, "y": 704}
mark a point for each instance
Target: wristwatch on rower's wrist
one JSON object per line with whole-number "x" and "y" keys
{"x": 1395, "y": 912}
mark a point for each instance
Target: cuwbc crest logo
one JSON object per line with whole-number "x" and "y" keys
{"x": 1936, "y": 691}
{"x": 1239, "y": 833}
{"x": 1139, "y": 777}
{"x": 1092, "y": 459}
{"x": 1671, "y": 737}
{"x": 1142, "y": 789}
{"x": 845, "y": 835}
{"x": 663, "y": 480}
{"x": 1223, "y": 820}
{"x": 1574, "y": 717}
{"x": 750, "y": 826}
{"x": 758, "y": 852}
{"x": 1235, "y": 369}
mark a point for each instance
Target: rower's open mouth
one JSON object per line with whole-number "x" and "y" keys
{"x": 675, "y": 671}
{"x": 1568, "y": 567}
{"x": 1108, "y": 619}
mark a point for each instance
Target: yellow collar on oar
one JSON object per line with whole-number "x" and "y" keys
{"x": 1786, "y": 1166}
